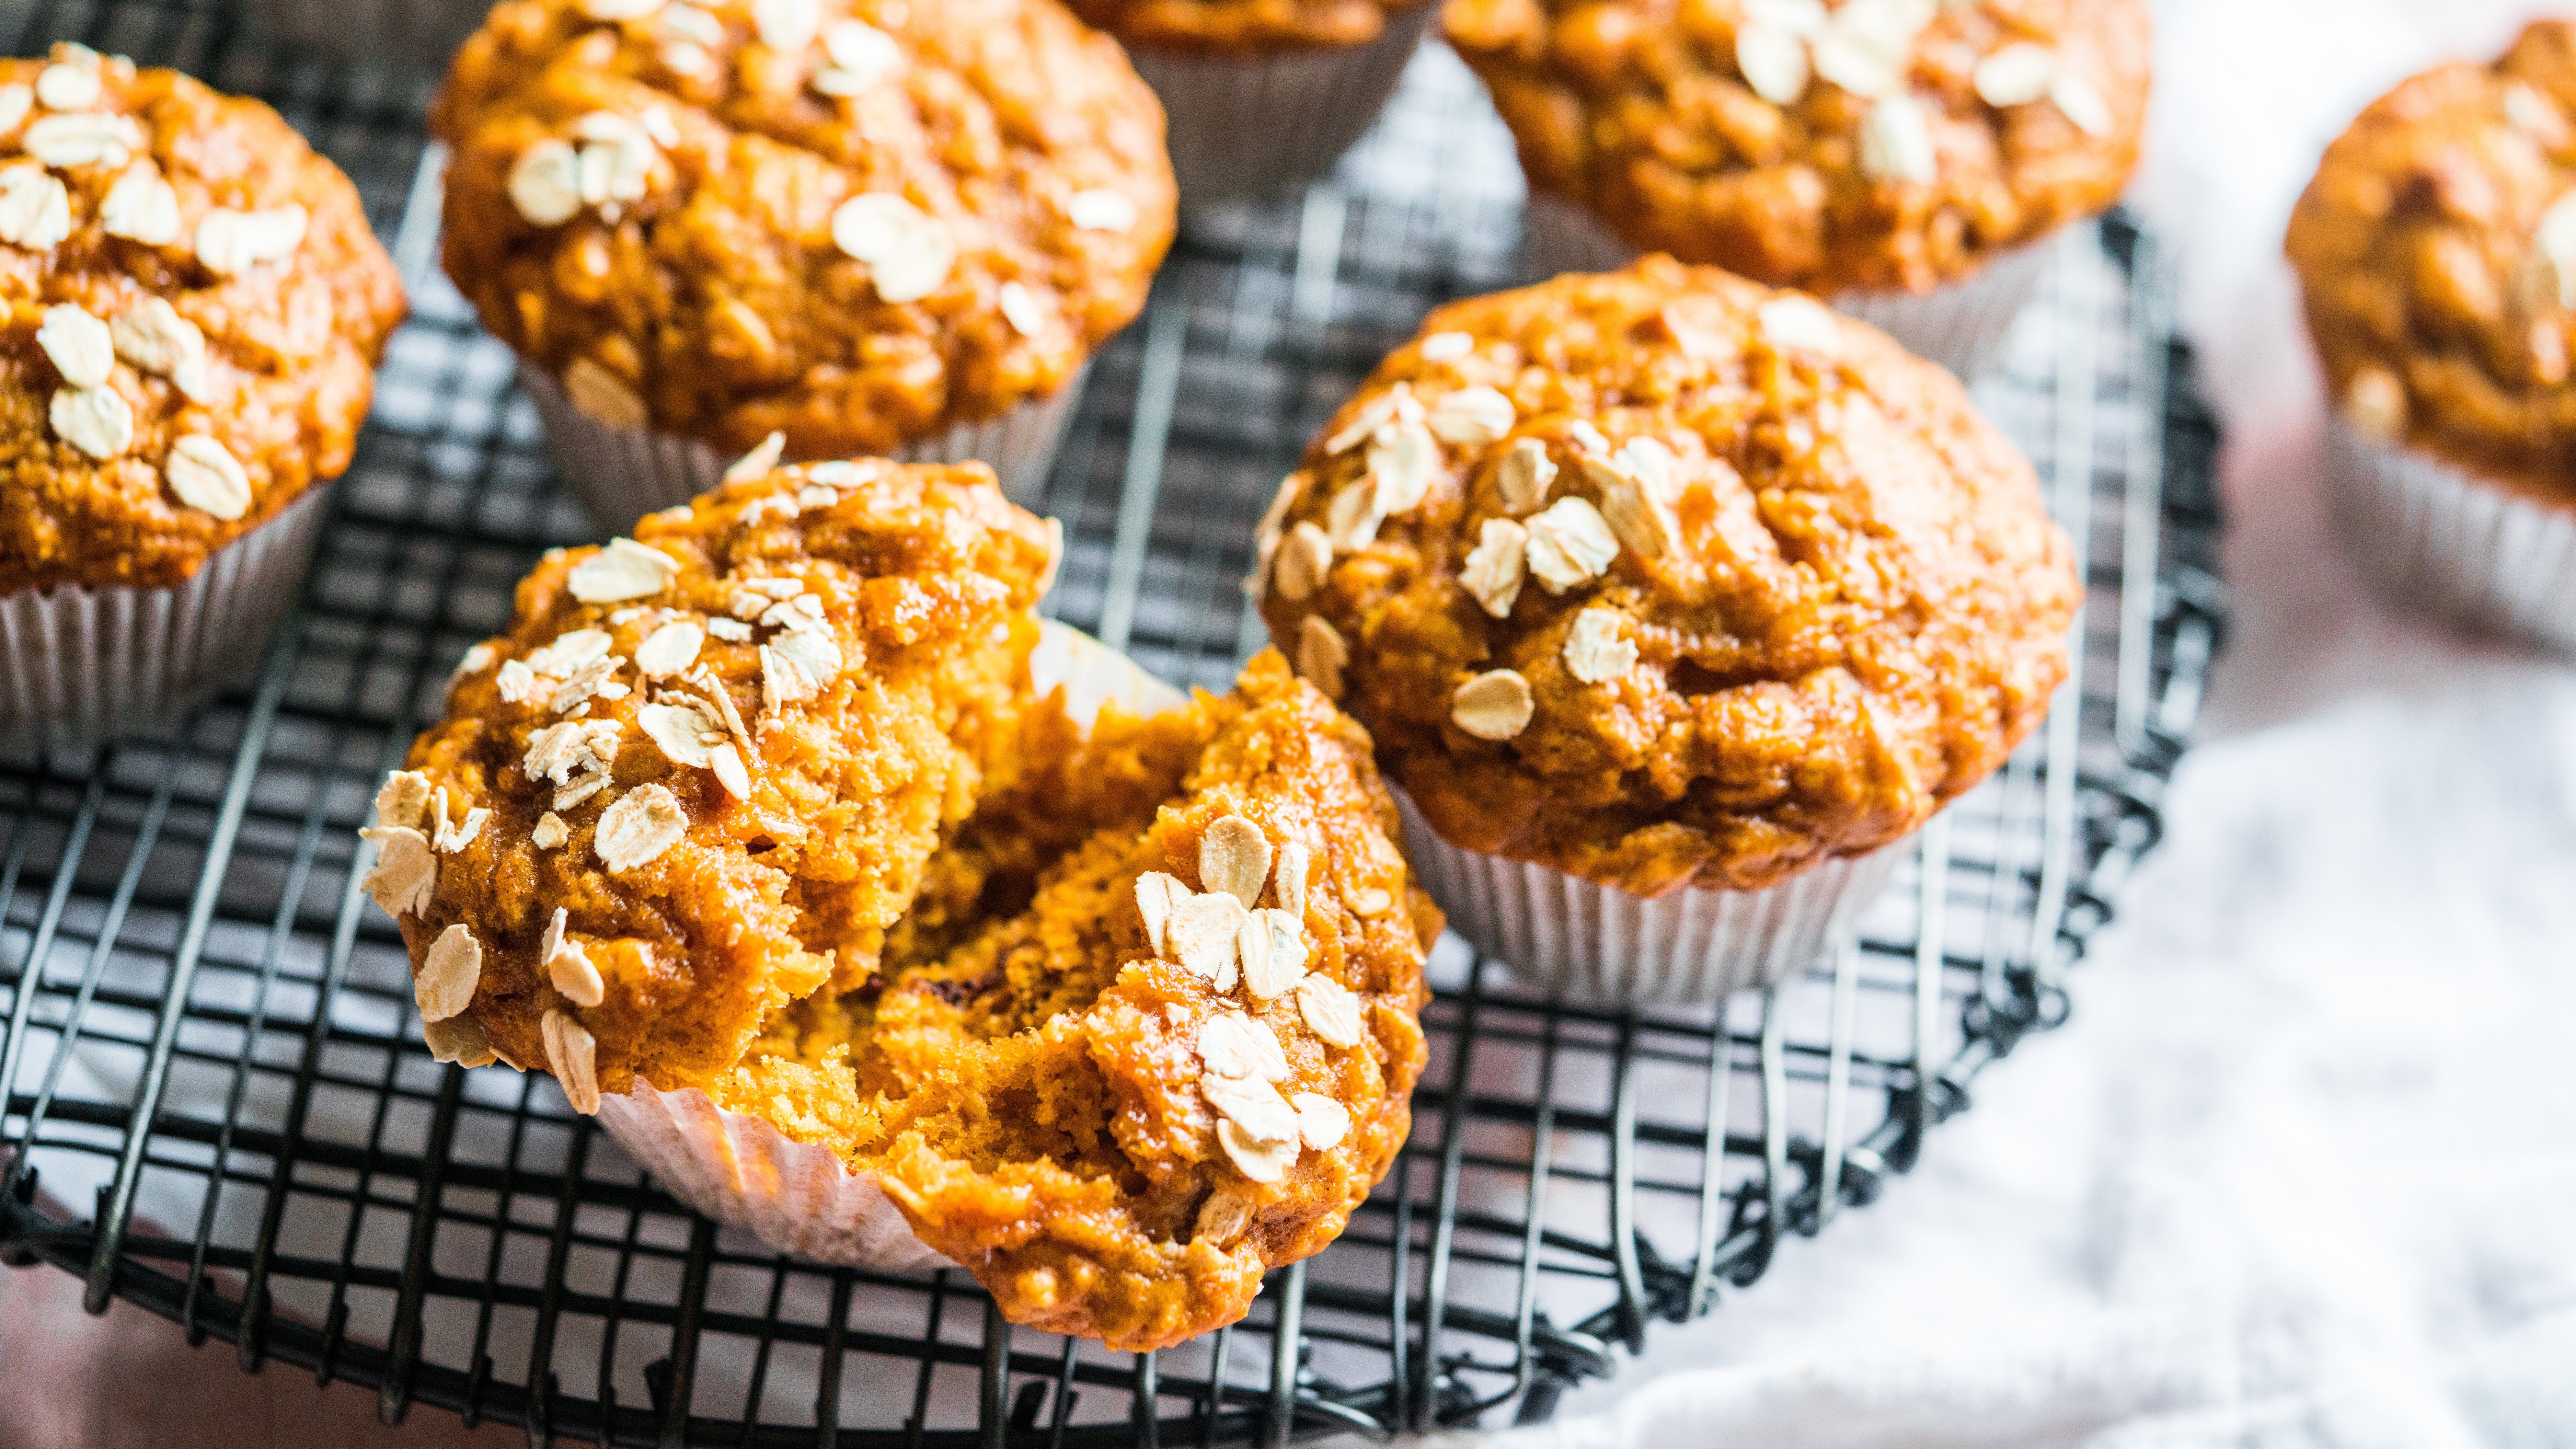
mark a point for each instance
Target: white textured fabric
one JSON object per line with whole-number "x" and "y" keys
{"x": 2300, "y": 1170}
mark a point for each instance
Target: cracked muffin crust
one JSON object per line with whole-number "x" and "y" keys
{"x": 196, "y": 306}
{"x": 1220, "y": 25}
{"x": 853, "y": 222}
{"x": 723, "y": 748}
{"x": 763, "y": 802}
{"x": 1666, "y": 579}
{"x": 1888, "y": 145}
{"x": 2436, "y": 251}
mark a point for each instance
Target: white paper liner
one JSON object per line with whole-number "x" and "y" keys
{"x": 801, "y": 1197}
{"x": 1569, "y": 937}
{"x": 1962, "y": 326}
{"x": 621, "y": 474}
{"x": 417, "y": 33}
{"x": 79, "y": 666}
{"x": 1245, "y": 126}
{"x": 2462, "y": 549}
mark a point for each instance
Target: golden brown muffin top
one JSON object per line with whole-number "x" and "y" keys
{"x": 1881, "y": 144}
{"x": 2437, "y": 252}
{"x": 702, "y": 773}
{"x": 1243, "y": 24}
{"x": 1150, "y": 1027}
{"x": 852, "y": 221}
{"x": 195, "y": 306}
{"x": 1666, "y": 579}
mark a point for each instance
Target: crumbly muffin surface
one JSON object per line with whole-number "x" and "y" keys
{"x": 724, "y": 749}
{"x": 195, "y": 306}
{"x": 1041, "y": 1075}
{"x": 2436, "y": 250}
{"x": 1243, "y": 24}
{"x": 855, "y": 222}
{"x": 1666, "y": 579}
{"x": 1890, "y": 145}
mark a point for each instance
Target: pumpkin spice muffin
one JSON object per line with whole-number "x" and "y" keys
{"x": 1264, "y": 94}
{"x": 2436, "y": 250}
{"x": 854, "y": 226}
{"x": 759, "y": 834}
{"x": 1672, "y": 601}
{"x": 196, "y": 309}
{"x": 1900, "y": 156}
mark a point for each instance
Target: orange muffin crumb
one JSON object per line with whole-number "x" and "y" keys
{"x": 195, "y": 310}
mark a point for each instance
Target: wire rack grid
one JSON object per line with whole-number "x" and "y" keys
{"x": 216, "y": 1102}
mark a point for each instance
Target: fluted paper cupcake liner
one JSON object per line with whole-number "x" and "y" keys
{"x": 802, "y": 1197}
{"x": 419, "y": 33}
{"x": 1962, "y": 326}
{"x": 2452, "y": 544}
{"x": 1570, "y": 937}
{"x": 621, "y": 474}
{"x": 80, "y": 666}
{"x": 1249, "y": 125}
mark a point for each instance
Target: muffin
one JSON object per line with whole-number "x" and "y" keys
{"x": 813, "y": 228}
{"x": 197, "y": 307}
{"x": 1264, "y": 94}
{"x": 2436, "y": 250}
{"x": 1905, "y": 158}
{"x": 774, "y": 834}
{"x": 1674, "y": 604}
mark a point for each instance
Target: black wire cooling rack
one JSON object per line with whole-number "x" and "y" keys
{"x": 218, "y": 1107}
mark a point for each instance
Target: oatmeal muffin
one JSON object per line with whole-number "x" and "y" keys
{"x": 756, "y": 833}
{"x": 1887, "y": 153}
{"x": 197, "y": 310}
{"x": 1264, "y": 94}
{"x": 1660, "y": 588}
{"x": 2436, "y": 250}
{"x": 857, "y": 226}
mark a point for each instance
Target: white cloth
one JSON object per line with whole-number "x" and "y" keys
{"x": 2302, "y": 1169}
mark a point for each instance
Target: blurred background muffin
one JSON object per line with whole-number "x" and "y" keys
{"x": 196, "y": 308}
{"x": 862, "y": 226}
{"x": 1900, "y": 157}
{"x": 1673, "y": 602}
{"x": 2436, "y": 251}
{"x": 1264, "y": 94}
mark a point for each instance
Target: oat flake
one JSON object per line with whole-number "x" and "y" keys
{"x": 1493, "y": 706}
{"x": 1234, "y": 857}
{"x": 573, "y": 1055}
{"x": 206, "y": 476}
{"x": 96, "y": 420}
{"x": 1496, "y": 566}
{"x": 623, "y": 570}
{"x": 1330, "y": 1011}
{"x": 77, "y": 344}
{"x": 35, "y": 209}
{"x": 448, "y": 977}
{"x": 1321, "y": 1121}
{"x": 638, "y": 828}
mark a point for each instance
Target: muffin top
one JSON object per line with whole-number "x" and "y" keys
{"x": 701, "y": 775}
{"x": 855, "y": 222}
{"x": 1881, "y": 144}
{"x": 1149, "y": 1029}
{"x": 1666, "y": 579}
{"x": 195, "y": 309}
{"x": 1243, "y": 24}
{"x": 2437, "y": 252}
